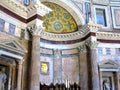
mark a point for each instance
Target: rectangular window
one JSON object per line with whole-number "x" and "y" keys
{"x": 118, "y": 51}
{"x": 2, "y": 24}
{"x": 100, "y": 16}
{"x": 11, "y": 29}
{"x": 100, "y": 52}
{"x": 108, "y": 51}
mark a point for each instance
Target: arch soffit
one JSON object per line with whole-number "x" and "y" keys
{"x": 67, "y": 4}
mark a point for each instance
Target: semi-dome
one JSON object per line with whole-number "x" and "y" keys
{"x": 59, "y": 21}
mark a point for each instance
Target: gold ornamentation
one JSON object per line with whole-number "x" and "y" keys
{"x": 58, "y": 21}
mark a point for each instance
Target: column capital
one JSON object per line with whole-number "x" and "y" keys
{"x": 36, "y": 30}
{"x": 20, "y": 62}
{"x": 92, "y": 44}
{"x": 82, "y": 48}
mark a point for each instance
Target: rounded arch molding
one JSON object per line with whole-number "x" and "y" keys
{"x": 67, "y": 4}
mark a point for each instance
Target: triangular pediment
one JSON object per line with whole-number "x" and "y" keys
{"x": 12, "y": 45}
{"x": 108, "y": 64}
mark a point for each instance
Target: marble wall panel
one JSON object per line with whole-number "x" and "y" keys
{"x": 70, "y": 51}
{"x": 70, "y": 69}
{"x": 46, "y": 51}
{"x": 47, "y": 78}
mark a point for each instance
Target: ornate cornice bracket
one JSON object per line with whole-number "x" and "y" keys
{"x": 35, "y": 30}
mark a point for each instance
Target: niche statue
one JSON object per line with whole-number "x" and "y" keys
{"x": 3, "y": 78}
{"x": 106, "y": 85}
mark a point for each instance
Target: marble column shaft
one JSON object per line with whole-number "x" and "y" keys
{"x": 10, "y": 75}
{"x": 101, "y": 81}
{"x": 117, "y": 81}
{"x": 13, "y": 77}
{"x": 19, "y": 76}
{"x": 94, "y": 70}
{"x": 93, "y": 67}
{"x": 35, "y": 57}
{"x": 35, "y": 64}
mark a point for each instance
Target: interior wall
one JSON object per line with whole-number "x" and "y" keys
{"x": 63, "y": 65}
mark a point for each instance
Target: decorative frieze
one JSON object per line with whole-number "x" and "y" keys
{"x": 62, "y": 37}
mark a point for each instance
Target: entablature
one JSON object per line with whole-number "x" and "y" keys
{"x": 15, "y": 7}
{"x": 81, "y": 33}
{"x": 25, "y": 11}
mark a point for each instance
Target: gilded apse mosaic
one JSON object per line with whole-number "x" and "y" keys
{"x": 58, "y": 21}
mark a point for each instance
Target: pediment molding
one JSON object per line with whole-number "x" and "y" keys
{"x": 13, "y": 46}
{"x": 109, "y": 64}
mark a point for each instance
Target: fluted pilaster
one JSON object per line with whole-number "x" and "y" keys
{"x": 57, "y": 66}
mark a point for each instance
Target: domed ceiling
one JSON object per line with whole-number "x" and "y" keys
{"x": 59, "y": 21}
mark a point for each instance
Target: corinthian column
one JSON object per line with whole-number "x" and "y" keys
{"x": 93, "y": 67}
{"x": 35, "y": 59}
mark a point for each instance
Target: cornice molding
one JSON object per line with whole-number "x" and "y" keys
{"x": 26, "y": 12}
{"x": 15, "y": 7}
{"x": 81, "y": 33}
{"x": 108, "y": 35}
{"x": 37, "y": 8}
